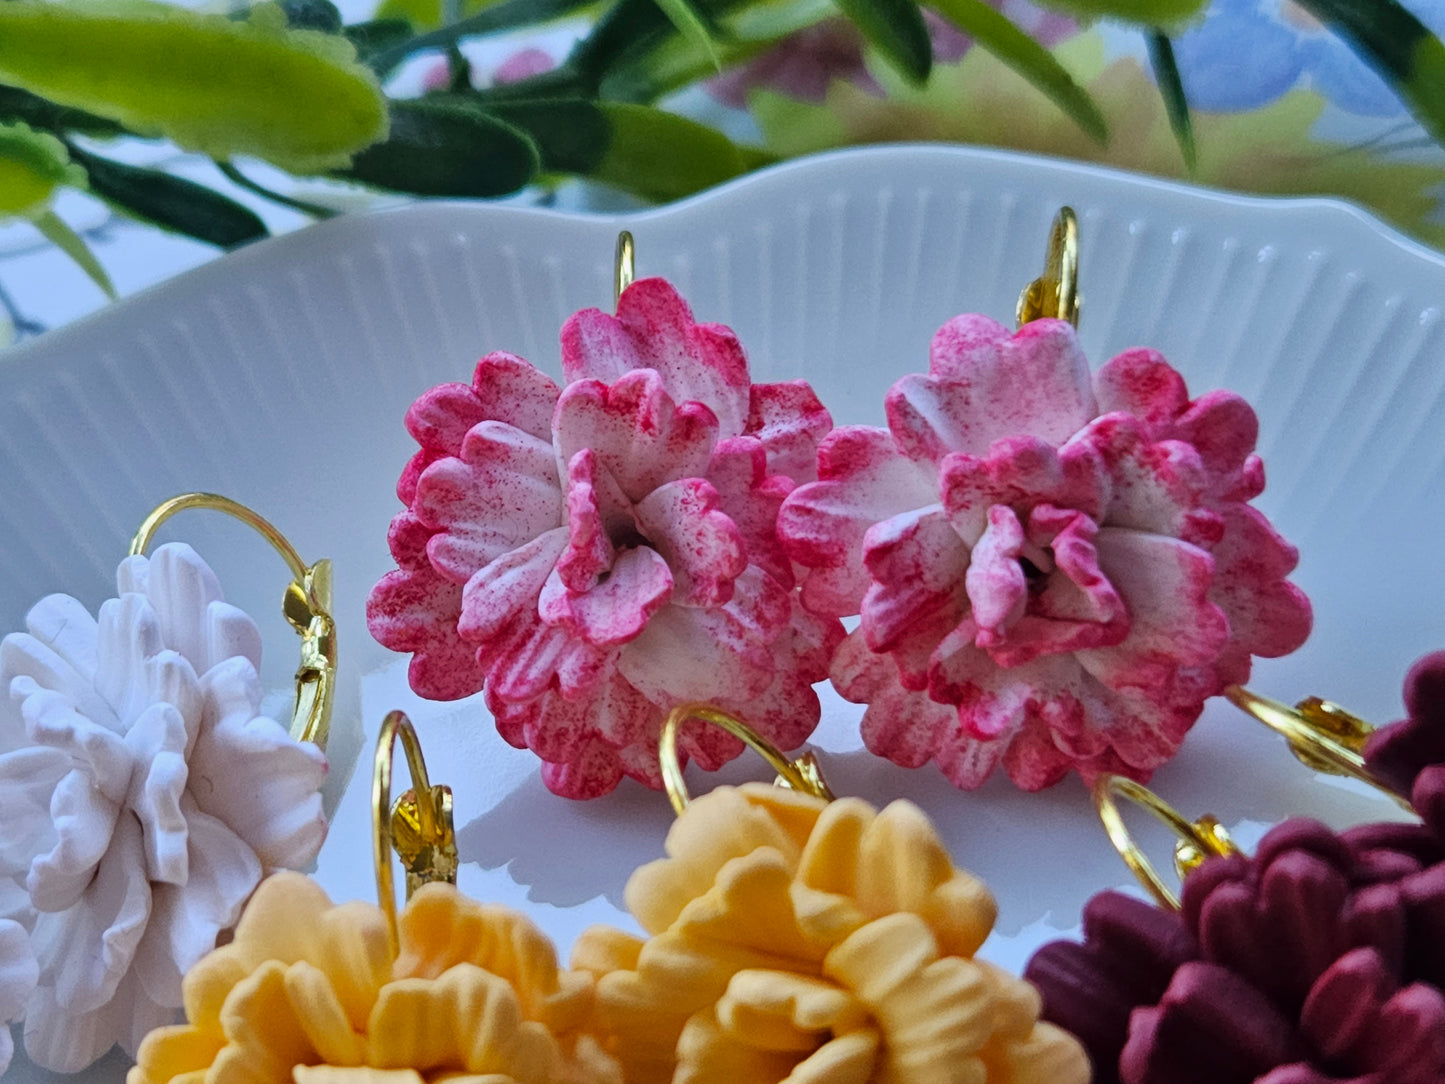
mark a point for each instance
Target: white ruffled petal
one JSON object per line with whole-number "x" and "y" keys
{"x": 64, "y": 1041}
{"x": 247, "y": 772}
{"x": 28, "y": 778}
{"x": 185, "y": 920}
{"x": 84, "y": 820}
{"x": 158, "y": 742}
{"x": 193, "y": 614}
{"x": 85, "y": 951}
{"x": 130, "y": 634}
{"x": 51, "y": 720}
{"x": 18, "y": 972}
{"x": 23, "y": 657}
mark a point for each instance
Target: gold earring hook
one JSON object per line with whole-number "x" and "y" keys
{"x": 306, "y": 605}
{"x": 625, "y": 266}
{"x": 1198, "y": 840}
{"x": 418, "y": 826}
{"x": 1322, "y": 736}
{"x": 1055, "y": 293}
{"x": 802, "y": 774}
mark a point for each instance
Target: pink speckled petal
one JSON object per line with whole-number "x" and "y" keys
{"x": 751, "y": 497}
{"x": 529, "y": 656}
{"x": 1224, "y": 429}
{"x": 1140, "y": 382}
{"x": 986, "y": 383}
{"x": 995, "y": 580}
{"x": 504, "y": 388}
{"x": 702, "y": 546}
{"x": 417, "y": 611}
{"x": 790, "y": 422}
{"x": 904, "y": 726}
{"x": 502, "y": 492}
{"x": 1164, "y": 584}
{"x": 507, "y": 589}
{"x": 863, "y": 479}
{"x": 407, "y": 537}
{"x": 597, "y": 512}
{"x": 639, "y": 433}
{"x": 654, "y": 329}
{"x": 1268, "y": 616}
{"x": 917, "y": 563}
{"x": 1152, "y": 487}
{"x": 689, "y": 653}
{"x": 619, "y": 607}
{"x": 1019, "y": 471}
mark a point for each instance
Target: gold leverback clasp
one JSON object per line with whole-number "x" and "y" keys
{"x": 418, "y": 826}
{"x": 802, "y": 774}
{"x": 306, "y": 605}
{"x": 1197, "y": 840}
{"x": 624, "y": 266}
{"x": 1055, "y": 293}
{"x": 1322, "y": 735}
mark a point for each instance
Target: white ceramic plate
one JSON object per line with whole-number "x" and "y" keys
{"x": 279, "y": 376}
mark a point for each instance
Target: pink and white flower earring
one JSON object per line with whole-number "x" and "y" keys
{"x": 145, "y": 793}
{"x": 593, "y": 555}
{"x": 1052, "y": 569}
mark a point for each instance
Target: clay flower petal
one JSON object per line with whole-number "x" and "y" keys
{"x": 794, "y": 939}
{"x": 1065, "y": 564}
{"x": 1396, "y": 754}
{"x": 310, "y": 986}
{"x": 654, "y": 330}
{"x": 18, "y": 975}
{"x": 147, "y": 794}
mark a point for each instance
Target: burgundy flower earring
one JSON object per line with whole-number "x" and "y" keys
{"x": 592, "y": 555}
{"x": 1321, "y": 960}
{"x": 1052, "y": 569}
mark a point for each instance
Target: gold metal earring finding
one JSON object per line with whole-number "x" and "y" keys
{"x": 1055, "y": 293}
{"x": 802, "y": 774}
{"x": 306, "y": 605}
{"x": 1197, "y": 840}
{"x": 1322, "y": 736}
{"x": 625, "y": 266}
{"x": 418, "y": 826}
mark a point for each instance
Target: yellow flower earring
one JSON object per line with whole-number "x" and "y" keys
{"x": 317, "y": 993}
{"x": 794, "y": 936}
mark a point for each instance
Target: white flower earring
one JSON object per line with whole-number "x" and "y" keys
{"x": 143, "y": 794}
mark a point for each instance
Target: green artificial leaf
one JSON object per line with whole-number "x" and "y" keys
{"x": 73, "y": 245}
{"x": 896, "y": 28}
{"x": 1169, "y": 13}
{"x": 445, "y": 146}
{"x": 649, "y": 152}
{"x": 691, "y": 25}
{"x": 172, "y": 203}
{"x": 1398, "y": 46}
{"x": 991, "y": 29}
{"x": 494, "y": 18}
{"x": 1171, "y": 88}
{"x": 32, "y": 166}
{"x": 374, "y": 37}
{"x": 17, "y": 104}
{"x": 320, "y": 15}
{"x": 296, "y": 98}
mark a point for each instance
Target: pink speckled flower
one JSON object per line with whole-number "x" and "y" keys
{"x": 595, "y": 555}
{"x": 1052, "y": 571}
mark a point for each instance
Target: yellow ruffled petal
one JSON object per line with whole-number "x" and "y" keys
{"x": 1016, "y": 1004}
{"x": 603, "y": 949}
{"x": 279, "y": 922}
{"x": 205, "y": 987}
{"x": 719, "y": 826}
{"x": 750, "y": 906}
{"x": 848, "y": 1059}
{"x": 334, "y": 1074}
{"x": 265, "y": 1040}
{"x": 706, "y": 1054}
{"x": 321, "y": 1017}
{"x": 778, "y": 1010}
{"x": 353, "y": 949}
{"x": 168, "y": 1052}
{"x": 1048, "y": 1056}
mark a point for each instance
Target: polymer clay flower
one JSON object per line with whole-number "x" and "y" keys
{"x": 595, "y": 555}
{"x": 1053, "y": 571}
{"x": 145, "y": 796}
{"x": 1319, "y": 961}
{"x": 792, "y": 939}
{"x": 309, "y": 992}
{"x": 18, "y": 974}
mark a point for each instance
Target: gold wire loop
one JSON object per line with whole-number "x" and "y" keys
{"x": 1197, "y": 840}
{"x": 625, "y": 267}
{"x": 1322, "y": 736}
{"x": 802, "y": 774}
{"x": 306, "y": 605}
{"x": 419, "y": 829}
{"x": 1055, "y": 293}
